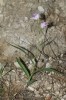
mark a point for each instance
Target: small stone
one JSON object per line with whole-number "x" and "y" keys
{"x": 41, "y": 9}
{"x": 61, "y": 55}
{"x": 7, "y": 83}
{"x": 57, "y": 92}
{"x": 31, "y": 88}
{"x": 26, "y": 18}
{"x": 37, "y": 93}
{"x": 50, "y": 60}
{"x": 49, "y": 87}
{"x": 48, "y": 65}
{"x": 1, "y": 18}
{"x": 40, "y": 64}
{"x": 60, "y": 61}
{"x": 13, "y": 71}
{"x": 23, "y": 73}
{"x": 64, "y": 96}
{"x": 49, "y": 97}
{"x": 16, "y": 64}
{"x": 30, "y": 66}
{"x": 40, "y": 90}
{"x": 1, "y": 2}
{"x": 57, "y": 11}
{"x": 62, "y": 99}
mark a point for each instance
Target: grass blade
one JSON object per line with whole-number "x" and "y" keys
{"x": 0, "y": 73}
{"x": 24, "y": 68}
{"x": 7, "y": 72}
{"x": 31, "y": 81}
{"x": 20, "y": 48}
{"x": 46, "y": 69}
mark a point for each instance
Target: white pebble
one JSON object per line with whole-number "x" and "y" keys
{"x": 49, "y": 87}
{"x": 57, "y": 92}
{"x": 30, "y": 88}
{"x": 62, "y": 99}
{"x": 7, "y": 83}
{"x": 16, "y": 64}
{"x": 64, "y": 96}
{"x": 26, "y": 18}
{"x": 30, "y": 66}
{"x": 61, "y": 55}
{"x": 60, "y": 61}
{"x": 50, "y": 60}
{"x": 41, "y": 9}
{"x": 48, "y": 65}
{"x": 13, "y": 71}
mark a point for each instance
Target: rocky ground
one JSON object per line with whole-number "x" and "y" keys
{"x": 17, "y": 28}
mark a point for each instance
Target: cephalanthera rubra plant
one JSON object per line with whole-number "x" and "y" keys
{"x": 22, "y": 64}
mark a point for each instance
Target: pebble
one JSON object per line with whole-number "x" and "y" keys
{"x": 1, "y": 18}
{"x": 48, "y": 65}
{"x": 57, "y": 11}
{"x": 57, "y": 92}
{"x": 60, "y": 61}
{"x": 62, "y": 99}
{"x": 7, "y": 83}
{"x": 40, "y": 64}
{"x": 16, "y": 64}
{"x": 50, "y": 60}
{"x": 26, "y": 18}
{"x": 1, "y": 2}
{"x": 31, "y": 88}
{"x": 64, "y": 96}
{"x": 30, "y": 66}
{"x": 61, "y": 55}
{"x": 13, "y": 71}
{"x": 41, "y": 9}
{"x": 37, "y": 93}
{"x": 49, "y": 87}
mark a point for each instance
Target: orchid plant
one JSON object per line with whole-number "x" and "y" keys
{"x": 22, "y": 64}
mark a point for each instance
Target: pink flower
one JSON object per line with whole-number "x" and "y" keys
{"x": 43, "y": 24}
{"x": 35, "y": 17}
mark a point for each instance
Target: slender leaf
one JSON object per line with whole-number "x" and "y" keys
{"x": 1, "y": 73}
{"x": 7, "y": 72}
{"x": 46, "y": 69}
{"x": 31, "y": 81}
{"x": 43, "y": 43}
{"x": 24, "y": 68}
{"x": 2, "y": 66}
{"x": 20, "y": 48}
{"x": 1, "y": 87}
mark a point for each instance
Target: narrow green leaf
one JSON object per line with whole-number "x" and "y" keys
{"x": 20, "y": 48}
{"x": 2, "y": 66}
{"x": 24, "y": 68}
{"x": 7, "y": 72}
{"x": 31, "y": 81}
{"x": 1, "y": 87}
{"x": 44, "y": 42}
{"x": 46, "y": 69}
